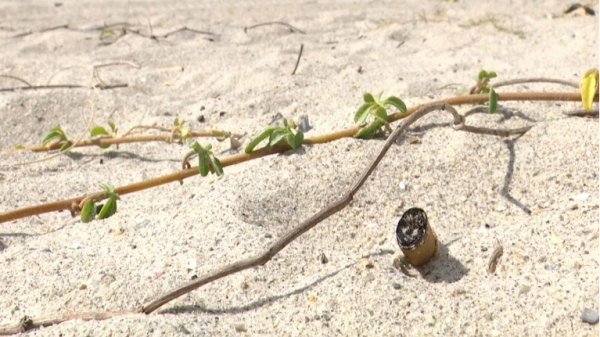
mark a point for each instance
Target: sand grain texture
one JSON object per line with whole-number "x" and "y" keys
{"x": 520, "y": 187}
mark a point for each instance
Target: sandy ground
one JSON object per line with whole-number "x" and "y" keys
{"x": 477, "y": 190}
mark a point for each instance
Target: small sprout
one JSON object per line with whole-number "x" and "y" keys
{"x": 110, "y": 207}
{"x": 106, "y": 32}
{"x": 588, "y": 86}
{"x": 373, "y": 106}
{"x": 55, "y": 134}
{"x": 493, "y": 100}
{"x": 88, "y": 212}
{"x": 278, "y": 135}
{"x": 100, "y": 131}
{"x": 183, "y": 132}
{"x": 483, "y": 79}
{"x": 207, "y": 162}
{"x": 65, "y": 146}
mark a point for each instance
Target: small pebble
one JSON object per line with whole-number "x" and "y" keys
{"x": 303, "y": 123}
{"x": 589, "y": 316}
{"x": 245, "y": 285}
{"x": 580, "y": 196}
{"x": 396, "y": 286}
{"x": 240, "y": 327}
{"x": 369, "y": 278}
{"x": 402, "y": 185}
{"x": 323, "y": 258}
{"x": 413, "y": 140}
{"x": 201, "y": 119}
{"x": 572, "y": 206}
{"x": 524, "y": 290}
{"x": 312, "y": 297}
{"x": 366, "y": 263}
{"x": 82, "y": 287}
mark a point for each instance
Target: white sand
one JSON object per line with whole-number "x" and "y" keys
{"x": 458, "y": 178}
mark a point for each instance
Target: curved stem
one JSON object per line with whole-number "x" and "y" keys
{"x": 239, "y": 158}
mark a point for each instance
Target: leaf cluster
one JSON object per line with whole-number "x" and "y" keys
{"x": 278, "y": 135}
{"x": 375, "y": 107}
{"x": 484, "y": 87}
{"x": 100, "y": 132}
{"x": 57, "y": 134}
{"x": 207, "y": 162}
{"x": 103, "y": 211}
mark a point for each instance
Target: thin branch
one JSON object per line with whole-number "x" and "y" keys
{"x": 18, "y": 79}
{"x": 125, "y": 140}
{"x": 268, "y": 150}
{"x": 528, "y": 80}
{"x": 298, "y": 60}
{"x": 26, "y": 323}
{"x": 292, "y": 28}
{"x": 260, "y": 259}
{"x": 582, "y": 113}
{"x": 67, "y": 150}
{"x": 64, "y": 86}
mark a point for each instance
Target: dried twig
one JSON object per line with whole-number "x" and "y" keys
{"x": 95, "y": 75}
{"x": 495, "y": 257}
{"x": 292, "y": 28}
{"x": 207, "y": 35}
{"x": 269, "y": 150}
{"x": 286, "y": 239}
{"x": 298, "y": 60}
{"x": 582, "y": 113}
{"x": 528, "y": 80}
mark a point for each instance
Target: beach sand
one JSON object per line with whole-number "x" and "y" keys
{"x": 537, "y": 194}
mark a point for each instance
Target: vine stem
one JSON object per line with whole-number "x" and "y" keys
{"x": 27, "y": 323}
{"x": 243, "y": 157}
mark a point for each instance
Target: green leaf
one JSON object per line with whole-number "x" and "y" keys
{"x": 381, "y": 114}
{"x": 176, "y": 122}
{"x": 396, "y": 102}
{"x": 587, "y": 87}
{"x": 203, "y": 165}
{"x": 295, "y": 141}
{"x": 185, "y": 133}
{"x": 50, "y": 137}
{"x": 98, "y": 130}
{"x": 113, "y": 127}
{"x": 104, "y": 146}
{"x": 216, "y": 164}
{"x": 88, "y": 212}
{"x": 108, "y": 189}
{"x": 109, "y": 208}
{"x": 493, "y": 101}
{"x": 65, "y": 146}
{"x": 377, "y": 98}
{"x": 105, "y": 31}
{"x": 363, "y": 112}
{"x": 369, "y": 131}
{"x": 368, "y": 98}
{"x": 266, "y": 133}
{"x": 278, "y": 135}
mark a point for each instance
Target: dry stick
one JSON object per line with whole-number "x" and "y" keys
{"x": 27, "y": 323}
{"x": 242, "y": 157}
{"x": 18, "y": 79}
{"x": 528, "y": 80}
{"x": 261, "y": 259}
{"x": 123, "y": 140}
{"x": 582, "y": 113}
{"x": 298, "y": 60}
{"x": 292, "y": 28}
{"x": 64, "y": 86}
